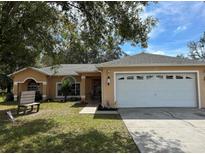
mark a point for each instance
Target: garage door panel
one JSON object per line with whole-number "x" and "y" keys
{"x": 156, "y": 92}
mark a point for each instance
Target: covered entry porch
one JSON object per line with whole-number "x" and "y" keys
{"x": 90, "y": 87}
{"x": 30, "y": 79}
{"x": 30, "y": 84}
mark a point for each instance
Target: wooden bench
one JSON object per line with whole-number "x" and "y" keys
{"x": 27, "y": 100}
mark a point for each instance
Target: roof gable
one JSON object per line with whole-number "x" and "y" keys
{"x": 147, "y": 59}
{"x": 26, "y": 68}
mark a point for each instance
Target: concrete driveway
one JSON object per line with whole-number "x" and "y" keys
{"x": 166, "y": 129}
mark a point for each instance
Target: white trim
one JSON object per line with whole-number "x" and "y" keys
{"x": 63, "y": 96}
{"x": 82, "y": 96}
{"x": 83, "y": 77}
{"x": 57, "y": 90}
{"x": 198, "y": 89}
{"x": 147, "y": 72}
{"x": 15, "y": 97}
{"x": 44, "y": 82}
{"x": 102, "y": 89}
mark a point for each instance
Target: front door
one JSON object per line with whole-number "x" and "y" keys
{"x": 96, "y": 87}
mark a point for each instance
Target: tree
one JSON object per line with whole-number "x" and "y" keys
{"x": 182, "y": 56}
{"x": 100, "y": 28}
{"x": 26, "y": 30}
{"x": 5, "y": 83}
{"x": 66, "y": 87}
{"x": 197, "y": 49}
{"x": 68, "y": 32}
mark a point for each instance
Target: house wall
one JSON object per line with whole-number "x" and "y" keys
{"x": 20, "y": 80}
{"x": 48, "y": 83}
{"x": 52, "y": 81}
{"x": 24, "y": 86}
{"x": 108, "y": 90}
{"x": 21, "y": 76}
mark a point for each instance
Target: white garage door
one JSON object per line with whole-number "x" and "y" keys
{"x": 156, "y": 90}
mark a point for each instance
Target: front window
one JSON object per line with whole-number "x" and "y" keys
{"x": 140, "y": 77}
{"x": 130, "y": 78}
{"x": 149, "y": 77}
{"x": 74, "y": 91}
{"x": 169, "y": 77}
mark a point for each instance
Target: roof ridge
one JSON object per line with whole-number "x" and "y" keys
{"x": 64, "y": 64}
{"x": 167, "y": 56}
{"x": 144, "y": 59}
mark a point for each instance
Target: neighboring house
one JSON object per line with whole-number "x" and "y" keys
{"x": 142, "y": 80}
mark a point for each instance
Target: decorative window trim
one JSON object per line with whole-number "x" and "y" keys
{"x": 33, "y": 86}
{"x": 44, "y": 82}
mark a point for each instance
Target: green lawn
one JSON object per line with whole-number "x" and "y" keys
{"x": 58, "y": 127}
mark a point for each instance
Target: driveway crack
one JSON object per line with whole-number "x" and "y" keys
{"x": 175, "y": 117}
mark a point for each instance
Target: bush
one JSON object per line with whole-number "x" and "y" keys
{"x": 74, "y": 99}
{"x": 38, "y": 97}
{"x": 9, "y": 97}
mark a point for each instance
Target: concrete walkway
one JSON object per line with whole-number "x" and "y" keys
{"x": 92, "y": 109}
{"x": 89, "y": 109}
{"x": 166, "y": 129}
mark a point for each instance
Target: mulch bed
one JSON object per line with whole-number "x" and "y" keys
{"x": 101, "y": 108}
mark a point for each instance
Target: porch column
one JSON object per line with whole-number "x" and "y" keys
{"x": 82, "y": 88}
{"x": 44, "y": 91}
{"x": 15, "y": 90}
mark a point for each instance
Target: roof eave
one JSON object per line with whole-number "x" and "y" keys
{"x": 97, "y": 71}
{"x": 145, "y": 65}
{"x": 23, "y": 69}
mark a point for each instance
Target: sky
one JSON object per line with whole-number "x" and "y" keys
{"x": 178, "y": 24}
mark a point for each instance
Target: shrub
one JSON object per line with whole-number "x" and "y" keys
{"x": 9, "y": 97}
{"x": 38, "y": 96}
{"x": 74, "y": 99}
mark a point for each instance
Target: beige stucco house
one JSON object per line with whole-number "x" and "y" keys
{"x": 142, "y": 80}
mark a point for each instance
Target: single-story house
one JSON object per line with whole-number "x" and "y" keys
{"x": 142, "y": 80}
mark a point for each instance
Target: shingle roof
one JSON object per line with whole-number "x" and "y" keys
{"x": 142, "y": 59}
{"x": 69, "y": 69}
{"x": 147, "y": 59}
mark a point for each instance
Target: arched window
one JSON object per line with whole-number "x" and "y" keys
{"x": 33, "y": 86}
